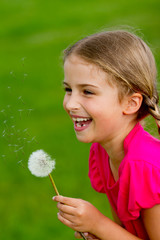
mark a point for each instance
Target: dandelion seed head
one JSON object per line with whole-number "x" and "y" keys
{"x": 40, "y": 163}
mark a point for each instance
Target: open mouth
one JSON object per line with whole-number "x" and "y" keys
{"x": 81, "y": 122}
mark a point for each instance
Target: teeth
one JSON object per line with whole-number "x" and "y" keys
{"x": 80, "y": 125}
{"x": 80, "y": 119}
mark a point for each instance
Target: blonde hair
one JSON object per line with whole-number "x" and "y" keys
{"x": 128, "y": 60}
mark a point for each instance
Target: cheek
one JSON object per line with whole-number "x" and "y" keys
{"x": 64, "y": 102}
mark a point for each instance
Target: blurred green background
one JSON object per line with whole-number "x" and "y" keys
{"x": 33, "y": 34}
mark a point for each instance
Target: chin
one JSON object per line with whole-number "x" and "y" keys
{"x": 84, "y": 139}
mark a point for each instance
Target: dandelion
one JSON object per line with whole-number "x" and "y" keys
{"x": 40, "y": 164}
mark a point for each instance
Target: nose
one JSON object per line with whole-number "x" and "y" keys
{"x": 71, "y": 102}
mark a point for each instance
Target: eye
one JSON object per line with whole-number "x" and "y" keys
{"x": 88, "y": 92}
{"x": 67, "y": 89}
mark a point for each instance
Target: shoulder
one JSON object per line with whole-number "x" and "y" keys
{"x": 144, "y": 148}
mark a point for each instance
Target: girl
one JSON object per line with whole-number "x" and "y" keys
{"x": 110, "y": 84}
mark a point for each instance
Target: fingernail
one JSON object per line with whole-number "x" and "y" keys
{"x": 53, "y": 198}
{"x": 85, "y": 234}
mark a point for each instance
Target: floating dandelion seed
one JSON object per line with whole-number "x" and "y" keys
{"x": 12, "y": 73}
{"x": 22, "y": 59}
{"x": 21, "y": 163}
{"x": 25, "y": 75}
{"x": 41, "y": 165}
{"x": 25, "y": 130}
{"x": 20, "y": 98}
{"x": 29, "y": 111}
{"x": 2, "y": 111}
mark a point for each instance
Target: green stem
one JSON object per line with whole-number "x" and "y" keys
{"x": 57, "y": 193}
{"x": 53, "y": 184}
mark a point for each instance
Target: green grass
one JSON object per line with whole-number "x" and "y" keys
{"x": 33, "y": 35}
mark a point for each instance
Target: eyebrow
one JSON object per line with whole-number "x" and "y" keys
{"x": 82, "y": 85}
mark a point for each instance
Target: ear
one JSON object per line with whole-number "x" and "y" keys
{"x": 132, "y": 103}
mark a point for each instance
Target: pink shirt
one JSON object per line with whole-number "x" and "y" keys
{"x": 138, "y": 186}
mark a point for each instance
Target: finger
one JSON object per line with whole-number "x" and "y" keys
{"x": 64, "y": 220}
{"x": 69, "y": 217}
{"x": 77, "y": 235}
{"x": 68, "y": 201}
{"x": 86, "y": 234}
{"x": 65, "y": 208}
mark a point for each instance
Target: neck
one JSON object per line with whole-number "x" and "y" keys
{"x": 115, "y": 147}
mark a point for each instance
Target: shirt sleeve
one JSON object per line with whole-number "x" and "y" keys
{"x": 94, "y": 173}
{"x": 139, "y": 189}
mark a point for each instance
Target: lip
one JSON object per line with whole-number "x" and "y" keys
{"x": 77, "y": 116}
{"x": 77, "y": 128}
{"x": 80, "y": 129}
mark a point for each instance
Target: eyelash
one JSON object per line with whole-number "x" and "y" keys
{"x": 67, "y": 89}
{"x": 85, "y": 92}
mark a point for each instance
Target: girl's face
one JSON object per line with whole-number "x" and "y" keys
{"x": 91, "y": 102}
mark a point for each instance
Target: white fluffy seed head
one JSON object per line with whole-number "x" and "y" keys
{"x": 40, "y": 163}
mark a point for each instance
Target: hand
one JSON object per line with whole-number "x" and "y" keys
{"x": 77, "y": 214}
{"x": 87, "y": 235}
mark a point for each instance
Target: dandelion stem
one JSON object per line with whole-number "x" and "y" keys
{"x": 54, "y": 185}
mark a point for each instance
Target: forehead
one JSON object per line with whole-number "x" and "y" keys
{"x": 77, "y": 68}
